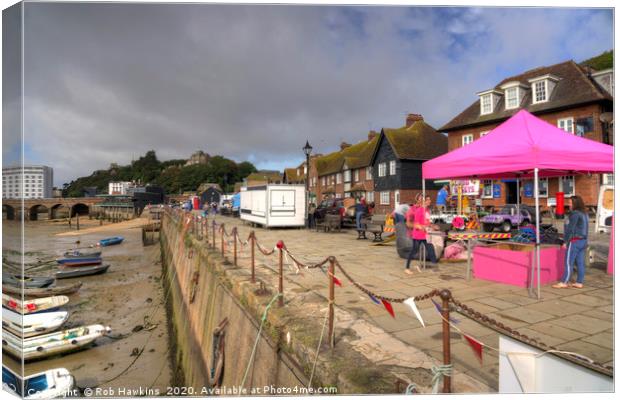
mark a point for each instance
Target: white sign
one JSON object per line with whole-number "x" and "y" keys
{"x": 469, "y": 187}
{"x": 551, "y": 201}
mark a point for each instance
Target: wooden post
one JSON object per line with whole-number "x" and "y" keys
{"x": 332, "y": 265}
{"x": 280, "y": 246}
{"x": 252, "y": 242}
{"x": 222, "y": 238}
{"x": 445, "y": 312}
{"x": 213, "y": 231}
{"x": 234, "y": 246}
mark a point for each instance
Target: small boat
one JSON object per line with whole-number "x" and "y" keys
{"x": 32, "y": 324}
{"x": 42, "y": 292}
{"x": 27, "y": 281}
{"x": 44, "y": 304}
{"x": 110, "y": 241}
{"x": 79, "y": 261}
{"x": 53, "y": 343}
{"x": 57, "y": 382}
{"x": 84, "y": 271}
{"x": 82, "y": 253}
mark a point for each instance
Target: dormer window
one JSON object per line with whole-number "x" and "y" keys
{"x": 488, "y": 100}
{"x": 542, "y": 87}
{"x": 512, "y": 97}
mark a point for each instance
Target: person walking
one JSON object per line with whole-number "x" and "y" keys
{"x": 576, "y": 242}
{"x": 421, "y": 225}
{"x": 400, "y": 211}
{"x": 442, "y": 198}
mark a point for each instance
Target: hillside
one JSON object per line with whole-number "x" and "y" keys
{"x": 604, "y": 60}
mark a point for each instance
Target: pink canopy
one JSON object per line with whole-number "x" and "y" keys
{"x": 519, "y": 145}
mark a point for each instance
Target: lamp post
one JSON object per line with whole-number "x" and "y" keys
{"x": 307, "y": 150}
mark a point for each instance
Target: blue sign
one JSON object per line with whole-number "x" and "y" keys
{"x": 528, "y": 189}
{"x": 497, "y": 191}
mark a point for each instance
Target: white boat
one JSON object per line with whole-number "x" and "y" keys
{"x": 57, "y": 382}
{"x": 52, "y": 343}
{"x": 32, "y": 324}
{"x": 34, "y": 305}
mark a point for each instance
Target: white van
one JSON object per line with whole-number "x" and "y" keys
{"x": 604, "y": 209}
{"x": 274, "y": 205}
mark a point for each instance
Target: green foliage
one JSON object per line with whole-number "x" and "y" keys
{"x": 603, "y": 61}
{"x": 172, "y": 175}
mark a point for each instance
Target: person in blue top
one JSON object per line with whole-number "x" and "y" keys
{"x": 442, "y": 198}
{"x": 360, "y": 211}
{"x": 576, "y": 242}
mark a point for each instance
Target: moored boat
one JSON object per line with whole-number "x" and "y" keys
{"x": 82, "y": 253}
{"x": 32, "y": 324}
{"x": 44, "y": 304}
{"x": 57, "y": 382}
{"x": 84, "y": 271}
{"x": 27, "y": 282}
{"x": 110, "y": 241}
{"x": 79, "y": 261}
{"x": 42, "y": 292}
{"x": 53, "y": 343}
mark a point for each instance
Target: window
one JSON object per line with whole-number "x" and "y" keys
{"x": 512, "y": 97}
{"x": 540, "y": 91}
{"x": 381, "y": 169}
{"x": 583, "y": 126}
{"x": 608, "y": 179}
{"x": 543, "y": 187}
{"x": 567, "y": 185}
{"x": 347, "y": 175}
{"x": 368, "y": 173}
{"x": 487, "y": 189}
{"x": 566, "y": 124}
{"x": 484, "y": 133}
{"x": 393, "y": 167}
{"x": 370, "y": 197}
{"x": 338, "y": 178}
{"x": 486, "y": 105}
{"x": 323, "y": 181}
{"x": 467, "y": 139}
{"x": 356, "y": 175}
{"x": 385, "y": 198}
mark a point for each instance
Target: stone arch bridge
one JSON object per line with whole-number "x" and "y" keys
{"x": 53, "y": 208}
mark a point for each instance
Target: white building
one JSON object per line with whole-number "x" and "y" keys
{"x": 119, "y": 187}
{"x": 29, "y": 182}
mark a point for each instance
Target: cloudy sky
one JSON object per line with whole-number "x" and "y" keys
{"x": 107, "y": 82}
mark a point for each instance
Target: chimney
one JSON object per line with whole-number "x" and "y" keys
{"x": 344, "y": 145}
{"x": 412, "y": 119}
{"x": 371, "y": 135}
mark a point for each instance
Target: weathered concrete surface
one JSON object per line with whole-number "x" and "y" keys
{"x": 366, "y": 358}
{"x": 579, "y": 320}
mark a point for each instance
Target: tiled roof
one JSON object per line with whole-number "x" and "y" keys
{"x": 573, "y": 88}
{"x": 204, "y": 186}
{"x": 265, "y": 176}
{"x": 357, "y": 156}
{"x": 420, "y": 141}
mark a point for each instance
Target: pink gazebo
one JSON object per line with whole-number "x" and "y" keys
{"x": 524, "y": 146}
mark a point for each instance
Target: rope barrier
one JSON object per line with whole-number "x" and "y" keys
{"x": 318, "y": 348}
{"x": 439, "y": 372}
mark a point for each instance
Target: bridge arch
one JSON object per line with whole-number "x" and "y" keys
{"x": 56, "y": 208}
{"x": 8, "y": 212}
{"x": 36, "y": 210}
{"x": 79, "y": 209}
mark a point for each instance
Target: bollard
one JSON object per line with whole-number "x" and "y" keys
{"x": 252, "y": 242}
{"x": 445, "y": 312}
{"x": 280, "y": 246}
{"x": 234, "y": 232}
{"x": 222, "y": 238}
{"x": 332, "y": 262}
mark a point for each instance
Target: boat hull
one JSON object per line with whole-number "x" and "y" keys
{"x": 111, "y": 241}
{"x": 34, "y": 306}
{"x": 84, "y": 271}
{"x": 78, "y": 262}
{"x": 32, "y": 324}
{"x": 43, "y": 292}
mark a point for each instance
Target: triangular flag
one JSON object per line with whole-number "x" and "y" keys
{"x": 439, "y": 308}
{"x": 411, "y": 303}
{"x": 374, "y": 299}
{"x": 475, "y": 345}
{"x": 388, "y": 307}
{"x": 524, "y": 366}
{"x": 337, "y": 281}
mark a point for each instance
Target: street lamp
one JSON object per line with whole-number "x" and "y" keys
{"x": 307, "y": 150}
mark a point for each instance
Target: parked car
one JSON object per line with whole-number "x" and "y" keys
{"x": 328, "y": 207}
{"x": 508, "y": 218}
{"x": 226, "y": 207}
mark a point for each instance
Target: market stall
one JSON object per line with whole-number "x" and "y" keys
{"x": 523, "y": 147}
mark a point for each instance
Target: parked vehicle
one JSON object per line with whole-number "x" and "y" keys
{"x": 236, "y": 204}
{"x": 226, "y": 207}
{"x": 57, "y": 382}
{"x": 84, "y": 271}
{"x": 274, "y": 205}
{"x": 508, "y": 218}
{"x": 329, "y": 206}
{"x": 604, "y": 209}
{"x": 28, "y": 282}
{"x": 44, "y": 304}
{"x": 32, "y": 324}
{"x": 110, "y": 241}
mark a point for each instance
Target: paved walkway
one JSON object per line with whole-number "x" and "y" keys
{"x": 578, "y": 320}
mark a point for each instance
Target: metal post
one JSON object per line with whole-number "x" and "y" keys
{"x": 234, "y": 232}
{"x": 332, "y": 262}
{"x": 222, "y": 238}
{"x": 252, "y": 242}
{"x": 307, "y": 221}
{"x": 281, "y": 273}
{"x": 213, "y": 231}
{"x": 469, "y": 258}
{"x": 445, "y": 312}
{"x": 537, "y": 232}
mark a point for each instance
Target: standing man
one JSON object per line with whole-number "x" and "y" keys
{"x": 442, "y": 198}
{"x": 360, "y": 210}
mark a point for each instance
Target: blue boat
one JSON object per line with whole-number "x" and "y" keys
{"x": 78, "y": 261}
{"x": 110, "y": 241}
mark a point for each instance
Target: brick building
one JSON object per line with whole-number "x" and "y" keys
{"x": 396, "y": 163}
{"x": 572, "y": 97}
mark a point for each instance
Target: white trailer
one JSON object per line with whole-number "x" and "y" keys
{"x": 274, "y": 205}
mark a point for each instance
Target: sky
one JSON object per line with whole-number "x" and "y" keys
{"x": 105, "y": 83}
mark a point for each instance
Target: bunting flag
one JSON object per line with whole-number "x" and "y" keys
{"x": 337, "y": 281}
{"x": 411, "y": 303}
{"x": 475, "y": 345}
{"x": 388, "y": 307}
{"x": 374, "y": 299}
{"x": 439, "y": 309}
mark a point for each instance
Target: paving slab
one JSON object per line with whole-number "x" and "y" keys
{"x": 522, "y": 314}
{"x": 499, "y": 304}
{"x": 557, "y": 307}
{"x": 587, "y": 300}
{"x": 589, "y": 350}
{"x": 603, "y": 339}
{"x": 583, "y": 323}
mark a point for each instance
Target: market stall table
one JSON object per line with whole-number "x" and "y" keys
{"x": 470, "y": 237}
